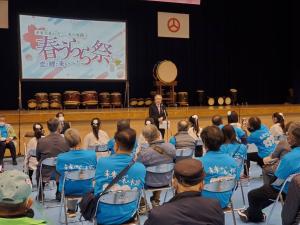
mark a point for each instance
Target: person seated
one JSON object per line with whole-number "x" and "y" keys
{"x": 291, "y": 209}
{"x": 64, "y": 125}
{"x": 195, "y": 131}
{"x": 108, "y": 168}
{"x": 262, "y": 197}
{"x": 48, "y": 147}
{"x": 271, "y": 162}
{"x": 76, "y": 159}
{"x": 15, "y": 201}
{"x": 121, "y": 125}
{"x": 233, "y": 120}
{"x": 262, "y": 138}
{"x": 182, "y": 140}
{"x": 216, "y": 163}
{"x": 277, "y": 130}
{"x": 188, "y": 206}
{"x": 30, "y": 161}
{"x": 7, "y": 137}
{"x": 231, "y": 146}
{"x": 217, "y": 121}
{"x": 156, "y": 154}
{"x": 96, "y": 139}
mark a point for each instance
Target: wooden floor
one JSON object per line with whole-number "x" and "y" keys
{"x": 80, "y": 119}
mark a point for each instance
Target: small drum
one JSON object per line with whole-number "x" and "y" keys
{"x": 116, "y": 99}
{"x": 228, "y": 101}
{"x": 89, "y": 98}
{"x": 183, "y": 98}
{"x": 133, "y": 102}
{"x": 211, "y": 101}
{"x": 221, "y": 101}
{"x": 31, "y": 104}
{"x": 71, "y": 99}
{"x": 165, "y": 71}
{"x": 148, "y": 101}
{"x": 140, "y": 102}
{"x": 104, "y": 99}
{"x": 55, "y": 100}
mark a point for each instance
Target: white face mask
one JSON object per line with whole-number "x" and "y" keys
{"x": 61, "y": 118}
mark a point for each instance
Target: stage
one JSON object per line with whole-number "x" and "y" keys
{"x": 80, "y": 118}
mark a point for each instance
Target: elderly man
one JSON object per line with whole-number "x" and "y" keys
{"x": 188, "y": 206}
{"x": 261, "y": 198}
{"x": 217, "y": 121}
{"x": 7, "y": 136}
{"x": 157, "y": 153}
{"x": 48, "y": 147}
{"x": 158, "y": 112}
{"x": 182, "y": 140}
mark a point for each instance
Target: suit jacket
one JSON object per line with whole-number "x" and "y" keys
{"x": 65, "y": 126}
{"x": 187, "y": 208}
{"x": 155, "y": 114}
{"x": 291, "y": 209}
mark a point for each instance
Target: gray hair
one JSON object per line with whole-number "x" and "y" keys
{"x": 150, "y": 133}
{"x": 72, "y": 137}
{"x": 182, "y": 125}
{"x": 294, "y": 130}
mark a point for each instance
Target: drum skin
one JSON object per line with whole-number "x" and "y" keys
{"x": 140, "y": 102}
{"x": 227, "y": 100}
{"x": 211, "y": 101}
{"x": 221, "y": 100}
{"x": 165, "y": 71}
{"x": 148, "y": 101}
{"x": 133, "y": 102}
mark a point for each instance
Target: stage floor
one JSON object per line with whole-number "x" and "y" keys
{"x": 80, "y": 118}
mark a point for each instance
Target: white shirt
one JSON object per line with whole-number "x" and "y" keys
{"x": 276, "y": 131}
{"x": 90, "y": 140}
{"x": 193, "y": 133}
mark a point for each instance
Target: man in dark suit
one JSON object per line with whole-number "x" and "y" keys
{"x": 158, "y": 112}
{"x": 64, "y": 125}
{"x": 188, "y": 206}
{"x": 48, "y": 147}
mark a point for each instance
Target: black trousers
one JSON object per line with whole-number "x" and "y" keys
{"x": 3, "y": 146}
{"x": 252, "y": 156}
{"x": 162, "y": 131}
{"x": 258, "y": 200}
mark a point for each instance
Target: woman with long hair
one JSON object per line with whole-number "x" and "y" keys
{"x": 195, "y": 131}
{"x": 277, "y": 130}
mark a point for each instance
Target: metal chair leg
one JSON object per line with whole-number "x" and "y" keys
{"x": 272, "y": 210}
{"x": 232, "y": 211}
{"x": 243, "y": 195}
{"x": 65, "y": 211}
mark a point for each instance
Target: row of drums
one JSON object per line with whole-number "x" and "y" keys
{"x": 181, "y": 98}
{"x": 75, "y": 99}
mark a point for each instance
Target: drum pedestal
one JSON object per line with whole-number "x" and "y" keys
{"x": 159, "y": 86}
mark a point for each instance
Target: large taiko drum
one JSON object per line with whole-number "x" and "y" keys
{"x": 116, "y": 99}
{"x": 133, "y": 102}
{"x": 104, "y": 99}
{"x": 165, "y": 71}
{"x": 31, "y": 103}
{"x": 71, "y": 99}
{"x": 89, "y": 98}
{"x": 183, "y": 98}
{"x": 55, "y": 100}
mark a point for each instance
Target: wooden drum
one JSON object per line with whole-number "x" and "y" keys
{"x": 140, "y": 102}
{"x": 165, "y": 71}
{"x": 71, "y": 99}
{"x": 55, "y": 100}
{"x": 31, "y": 103}
{"x": 183, "y": 98}
{"x": 104, "y": 99}
{"x": 133, "y": 102}
{"x": 116, "y": 99}
{"x": 89, "y": 98}
{"x": 42, "y": 100}
{"x": 148, "y": 102}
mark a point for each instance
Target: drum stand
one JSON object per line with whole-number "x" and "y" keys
{"x": 159, "y": 86}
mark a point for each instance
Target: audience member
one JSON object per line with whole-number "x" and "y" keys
{"x": 108, "y": 168}
{"x": 7, "y": 137}
{"x": 233, "y": 120}
{"x": 188, "y": 206}
{"x": 195, "y": 131}
{"x": 217, "y": 121}
{"x": 277, "y": 130}
{"x": 216, "y": 163}
{"x": 64, "y": 125}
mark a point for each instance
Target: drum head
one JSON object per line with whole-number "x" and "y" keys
{"x": 166, "y": 71}
{"x": 220, "y": 100}
{"x": 227, "y": 101}
{"x": 211, "y": 101}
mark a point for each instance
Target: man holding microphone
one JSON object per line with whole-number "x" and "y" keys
{"x": 158, "y": 112}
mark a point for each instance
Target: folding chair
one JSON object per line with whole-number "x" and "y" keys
{"x": 76, "y": 175}
{"x": 223, "y": 184}
{"x": 121, "y": 198}
{"x": 279, "y": 196}
{"x": 50, "y": 162}
{"x": 160, "y": 169}
{"x": 241, "y": 162}
{"x": 184, "y": 153}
